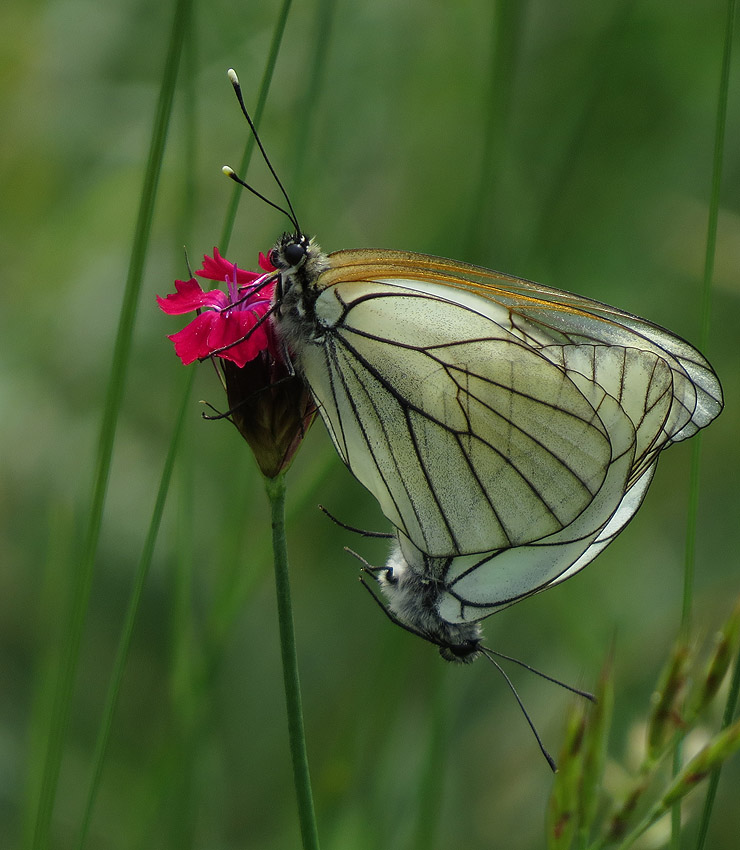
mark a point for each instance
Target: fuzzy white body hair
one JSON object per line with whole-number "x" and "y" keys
{"x": 413, "y": 591}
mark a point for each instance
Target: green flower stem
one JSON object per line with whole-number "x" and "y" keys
{"x": 276, "y": 494}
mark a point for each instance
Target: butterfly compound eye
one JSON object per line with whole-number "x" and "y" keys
{"x": 294, "y": 253}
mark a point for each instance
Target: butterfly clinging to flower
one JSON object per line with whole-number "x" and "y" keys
{"x": 509, "y": 431}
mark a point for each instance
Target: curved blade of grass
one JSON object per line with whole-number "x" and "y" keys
{"x": 111, "y": 702}
{"x": 706, "y": 301}
{"x": 729, "y": 714}
{"x": 507, "y": 22}
{"x": 111, "y": 410}
{"x": 142, "y": 571}
{"x": 193, "y": 676}
{"x": 51, "y": 616}
{"x": 320, "y": 47}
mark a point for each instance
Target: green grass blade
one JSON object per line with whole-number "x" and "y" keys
{"x": 142, "y": 571}
{"x": 729, "y": 714}
{"x": 706, "y": 303}
{"x": 315, "y": 80}
{"x": 181, "y": 825}
{"x": 193, "y": 676}
{"x": 706, "y": 300}
{"x": 507, "y": 21}
{"x": 49, "y": 620}
{"x": 111, "y": 410}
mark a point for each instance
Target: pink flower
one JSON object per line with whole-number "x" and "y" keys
{"x": 268, "y": 402}
{"x": 227, "y": 316}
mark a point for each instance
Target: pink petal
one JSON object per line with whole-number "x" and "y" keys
{"x": 232, "y": 327}
{"x": 189, "y": 297}
{"x": 217, "y": 268}
{"x": 191, "y": 343}
{"x": 264, "y": 263}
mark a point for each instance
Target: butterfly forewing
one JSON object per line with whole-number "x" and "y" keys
{"x": 541, "y": 314}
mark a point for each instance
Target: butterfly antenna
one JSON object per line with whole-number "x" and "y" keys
{"x": 589, "y": 696}
{"x": 550, "y": 760}
{"x": 229, "y": 172}
{"x": 368, "y": 568}
{"x": 291, "y": 215}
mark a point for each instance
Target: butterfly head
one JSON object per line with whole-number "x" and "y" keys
{"x": 299, "y": 262}
{"x": 290, "y": 252}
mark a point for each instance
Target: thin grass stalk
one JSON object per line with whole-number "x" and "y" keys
{"x": 111, "y": 411}
{"x": 275, "y": 488}
{"x": 181, "y": 831}
{"x": 705, "y": 312}
{"x": 182, "y": 760}
{"x": 597, "y": 67}
{"x": 507, "y": 21}
{"x": 713, "y": 782}
{"x": 189, "y": 100}
{"x": 185, "y": 656}
{"x": 142, "y": 571}
{"x": 706, "y": 305}
{"x": 277, "y": 39}
{"x": 49, "y": 618}
{"x": 176, "y": 754}
{"x": 315, "y": 77}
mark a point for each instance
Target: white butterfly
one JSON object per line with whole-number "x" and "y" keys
{"x": 509, "y": 431}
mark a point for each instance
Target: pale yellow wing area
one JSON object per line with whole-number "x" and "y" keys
{"x": 566, "y": 317}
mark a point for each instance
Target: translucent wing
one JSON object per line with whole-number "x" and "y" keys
{"x": 486, "y": 412}
{"x": 471, "y": 587}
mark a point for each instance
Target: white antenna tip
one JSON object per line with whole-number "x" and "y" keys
{"x": 233, "y": 77}
{"x": 228, "y": 171}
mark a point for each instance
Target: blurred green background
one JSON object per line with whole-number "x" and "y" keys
{"x": 566, "y": 142}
